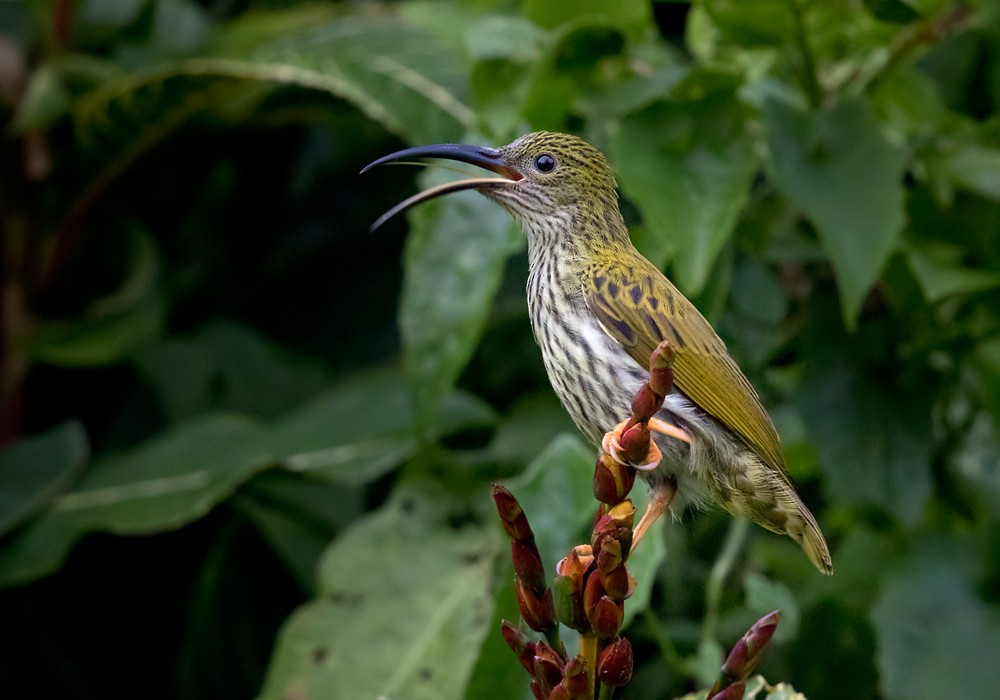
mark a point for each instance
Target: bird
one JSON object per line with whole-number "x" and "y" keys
{"x": 598, "y": 308}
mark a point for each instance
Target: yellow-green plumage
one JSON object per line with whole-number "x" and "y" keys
{"x": 598, "y": 308}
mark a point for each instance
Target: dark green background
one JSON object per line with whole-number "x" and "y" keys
{"x": 248, "y": 444}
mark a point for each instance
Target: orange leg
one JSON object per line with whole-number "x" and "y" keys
{"x": 659, "y": 502}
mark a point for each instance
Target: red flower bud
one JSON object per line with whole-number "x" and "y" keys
{"x": 515, "y": 522}
{"x": 604, "y": 613}
{"x": 548, "y": 667}
{"x": 528, "y": 564}
{"x": 612, "y": 479}
{"x": 538, "y": 611}
{"x": 731, "y": 692}
{"x": 645, "y": 404}
{"x": 575, "y": 678}
{"x": 614, "y": 667}
{"x": 560, "y": 693}
{"x": 635, "y": 443}
{"x": 617, "y": 582}
{"x": 517, "y": 642}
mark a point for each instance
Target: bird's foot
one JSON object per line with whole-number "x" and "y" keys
{"x": 626, "y": 443}
{"x": 668, "y": 429}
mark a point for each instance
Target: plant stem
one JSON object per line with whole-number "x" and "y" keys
{"x": 720, "y": 570}
{"x": 588, "y": 647}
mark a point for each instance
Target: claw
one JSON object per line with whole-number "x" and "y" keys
{"x": 612, "y": 445}
{"x": 669, "y": 429}
{"x": 659, "y": 501}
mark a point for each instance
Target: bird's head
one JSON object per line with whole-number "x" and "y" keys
{"x": 542, "y": 176}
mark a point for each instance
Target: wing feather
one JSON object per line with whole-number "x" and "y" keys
{"x": 638, "y": 307}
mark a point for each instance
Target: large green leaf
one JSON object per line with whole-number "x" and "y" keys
{"x": 839, "y": 168}
{"x": 350, "y": 434}
{"x": 163, "y": 484}
{"x": 632, "y": 16}
{"x": 405, "y": 600}
{"x": 36, "y": 469}
{"x": 936, "y": 638}
{"x": 397, "y": 75}
{"x": 453, "y": 264}
{"x": 688, "y": 166}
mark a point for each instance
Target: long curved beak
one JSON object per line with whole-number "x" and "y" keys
{"x": 488, "y": 158}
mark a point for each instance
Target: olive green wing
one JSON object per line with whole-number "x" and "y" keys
{"x": 638, "y": 307}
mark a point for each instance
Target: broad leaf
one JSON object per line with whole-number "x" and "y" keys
{"x": 36, "y": 469}
{"x": 688, "y": 167}
{"x": 838, "y": 167}
{"x": 453, "y": 264}
{"x": 936, "y": 638}
{"x": 405, "y": 600}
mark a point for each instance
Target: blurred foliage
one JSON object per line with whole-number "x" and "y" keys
{"x": 248, "y": 445}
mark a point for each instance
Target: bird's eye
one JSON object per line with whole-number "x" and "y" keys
{"x": 545, "y": 163}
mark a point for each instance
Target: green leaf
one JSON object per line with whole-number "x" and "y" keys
{"x": 228, "y": 366}
{"x": 399, "y": 76}
{"x": 941, "y": 274}
{"x": 842, "y": 172}
{"x": 405, "y": 600}
{"x": 161, "y": 485}
{"x": 453, "y": 264}
{"x": 366, "y": 426}
{"x": 976, "y": 169}
{"x": 936, "y": 639}
{"x": 115, "y": 326}
{"x": 632, "y": 16}
{"x": 556, "y": 494}
{"x": 35, "y": 469}
{"x": 874, "y": 449}
{"x": 688, "y": 167}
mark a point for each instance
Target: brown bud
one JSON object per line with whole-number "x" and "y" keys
{"x": 538, "y": 611}
{"x": 614, "y": 667}
{"x": 575, "y": 678}
{"x": 662, "y": 356}
{"x": 528, "y": 564}
{"x": 661, "y": 381}
{"x": 612, "y": 479}
{"x": 548, "y": 667}
{"x": 559, "y": 693}
{"x": 634, "y": 443}
{"x": 515, "y": 522}
{"x": 603, "y": 612}
{"x": 645, "y": 404}
{"x": 731, "y": 692}
{"x": 746, "y": 652}
{"x": 610, "y": 556}
{"x": 617, "y": 582}
{"x": 623, "y": 514}
{"x": 536, "y": 690}
{"x": 517, "y": 642}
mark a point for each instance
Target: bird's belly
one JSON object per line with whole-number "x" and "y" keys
{"x": 595, "y": 379}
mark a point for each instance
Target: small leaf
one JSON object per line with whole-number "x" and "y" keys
{"x": 977, "y": 170}
{"x": 839, "y": 168}
{"x": 688, "y": 167}
{"x": 940, "y": 276}
{"x": 453, "y": 263}
{"x": 36, "y": 469}
{"x": 405, "y": 601}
